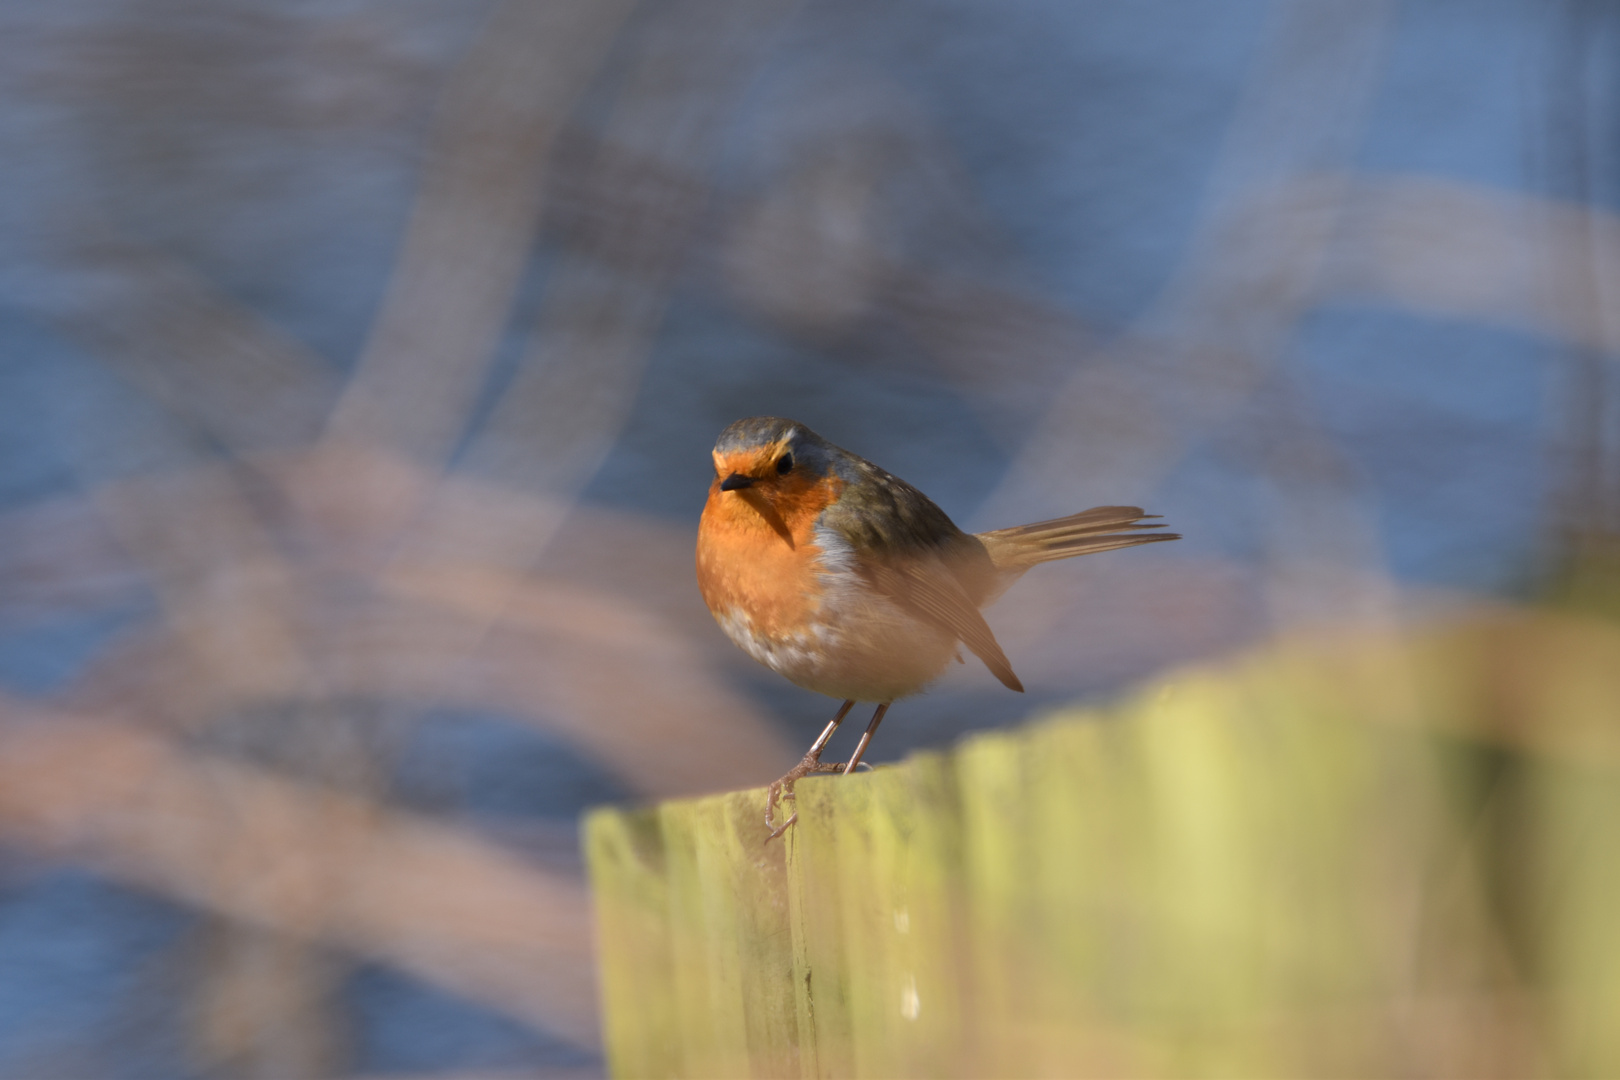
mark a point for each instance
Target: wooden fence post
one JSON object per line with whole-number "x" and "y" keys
{"x": 1360, "y": 856}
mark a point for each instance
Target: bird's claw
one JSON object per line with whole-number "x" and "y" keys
{"x": 782, "y": 828}
{"x": 779, "y": 792}
{"x": 782, "y": 790}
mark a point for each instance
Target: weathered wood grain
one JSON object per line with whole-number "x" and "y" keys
{"x": 1352, "y": 857}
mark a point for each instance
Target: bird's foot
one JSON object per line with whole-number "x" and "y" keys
{"x": 782, "y": 791}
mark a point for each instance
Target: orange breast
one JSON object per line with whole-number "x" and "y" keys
{"x": 757, "y": 556}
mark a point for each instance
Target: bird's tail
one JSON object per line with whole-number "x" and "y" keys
{"x": 1102, "y": 528}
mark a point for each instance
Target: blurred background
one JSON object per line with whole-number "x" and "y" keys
{"x": 360, "y": 362}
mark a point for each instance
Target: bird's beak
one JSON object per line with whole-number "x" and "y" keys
{"x": 736, "y": 481}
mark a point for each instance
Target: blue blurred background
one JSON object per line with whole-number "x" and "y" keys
{"x": 359, "y": 364}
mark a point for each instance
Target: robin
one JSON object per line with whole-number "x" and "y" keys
{"x": 852, "y": 583}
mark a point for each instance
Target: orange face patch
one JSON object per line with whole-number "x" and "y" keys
{"x": 758, "y": 462}
{"x": 756, "y": 554}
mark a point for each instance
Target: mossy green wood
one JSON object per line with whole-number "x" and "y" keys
{"x": 635, "y": 956}
{"x": 1575, "y": 906}
{"x": 1341, "y": 859}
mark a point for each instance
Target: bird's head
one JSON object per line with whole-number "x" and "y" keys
{"x": 774, "y": 464}
{"x": 770, "y": 454}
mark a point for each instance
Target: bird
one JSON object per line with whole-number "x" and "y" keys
{"x": 852, "y": 583}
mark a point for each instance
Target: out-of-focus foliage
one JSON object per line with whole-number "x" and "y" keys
{"x": 359, "y": 364}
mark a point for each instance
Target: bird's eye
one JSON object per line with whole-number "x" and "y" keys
{"x": 784, "y": 463}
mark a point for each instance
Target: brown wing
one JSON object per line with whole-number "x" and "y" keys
{"x": 928, "y": 588}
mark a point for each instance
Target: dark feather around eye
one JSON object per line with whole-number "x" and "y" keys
{"x": 784, "y": 463}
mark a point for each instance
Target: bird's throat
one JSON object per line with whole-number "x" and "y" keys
{"x": 762, "y": 506}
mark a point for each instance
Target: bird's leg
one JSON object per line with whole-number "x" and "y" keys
{"x": 860, "y": 747}
{"x": 782, "y": 789}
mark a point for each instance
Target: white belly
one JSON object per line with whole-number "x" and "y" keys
{"x": 858, "y": 645}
